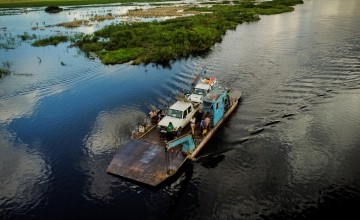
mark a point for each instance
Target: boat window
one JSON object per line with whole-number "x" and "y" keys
{"x": 174, "y": 113}
{"x": 207, "y": 105}
{"x": 217, "y": 105}
{"x": 189, "y": 109}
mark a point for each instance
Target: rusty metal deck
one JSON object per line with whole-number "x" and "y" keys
{"x": 145, "y": 160}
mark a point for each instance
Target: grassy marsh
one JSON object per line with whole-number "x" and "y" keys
{"x": 53, "y": 40}
{"x": 161, "y": 42}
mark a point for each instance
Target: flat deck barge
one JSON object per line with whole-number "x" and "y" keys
{"x": 148, "y": 159}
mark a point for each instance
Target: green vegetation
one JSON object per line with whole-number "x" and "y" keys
{"x": 40, "y": 3}
{"x": 5, "y": 70}
{"x": 27, "y": 36}
{"x": 53, "y": 40}
{"x": 8, "y": 42}
{"x": 120, "y": 55}
{"x": 53, "y": 9}
{"x": 160, "y": 42}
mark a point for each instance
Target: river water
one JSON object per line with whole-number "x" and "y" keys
{"x": 290, "y": 151}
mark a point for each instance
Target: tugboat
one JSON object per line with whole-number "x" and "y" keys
{"x": 148, "y": 158}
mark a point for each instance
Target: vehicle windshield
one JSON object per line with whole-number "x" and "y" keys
{"x": 174, "y": 113}
{"x": 200, "y": 92}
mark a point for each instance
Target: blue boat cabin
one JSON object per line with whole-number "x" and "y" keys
{"x": 214, "y": 103}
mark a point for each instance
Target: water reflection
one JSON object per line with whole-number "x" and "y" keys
{"x": 310, "y": 158}
{"x": 18, "y": 107}
{"x": 111, "y": 129}
{"x": 24, "y": 176}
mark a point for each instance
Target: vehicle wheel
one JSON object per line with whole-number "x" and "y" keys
{"x": 179, "y": 131}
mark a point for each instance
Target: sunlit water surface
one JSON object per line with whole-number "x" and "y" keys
{"x": 290, "y": 151}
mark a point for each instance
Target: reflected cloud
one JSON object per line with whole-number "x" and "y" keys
{"x": 307, "y": 158}
{"x": 111, "y": 129}
{"x": 324, "y": 139}
{"x": 23, "y": 105}
{"x": 334, "y": 9}
{"x": 24, "y": 175}
{"x": 17, "y": 107}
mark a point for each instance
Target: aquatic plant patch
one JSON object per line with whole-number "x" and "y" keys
{"x": 53, "y": 40}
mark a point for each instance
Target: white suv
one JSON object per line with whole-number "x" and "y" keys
{"x": 179, "y": 114}
{"x": 201, "y": 89}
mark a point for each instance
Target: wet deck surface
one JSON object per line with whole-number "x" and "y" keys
{"x": 145, "y": 160}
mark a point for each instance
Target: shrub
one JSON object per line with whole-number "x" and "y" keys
{"x": 119, "y": 56}
{"x": 53, "y": 40}
{"x": 53, "y": 9}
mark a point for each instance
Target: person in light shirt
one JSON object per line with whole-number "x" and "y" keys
{"x": 192, "y": 124}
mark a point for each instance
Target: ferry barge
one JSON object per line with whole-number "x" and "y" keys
{"x": 148, "y": 158}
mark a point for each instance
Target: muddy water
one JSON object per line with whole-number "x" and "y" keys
{"x": 290, "y": 151}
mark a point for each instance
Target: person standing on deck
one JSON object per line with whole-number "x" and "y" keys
{"x": 159, "y": 115}
{"x": 169, "y": 131}
{"x": 152, "y": 114}
{"x": 228, "y": 98}
{"x": 192, "y": 124}
{"x": 207, "y": 123}
{"x": 153, "y": 117}
{"x": 202, "y": 125}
